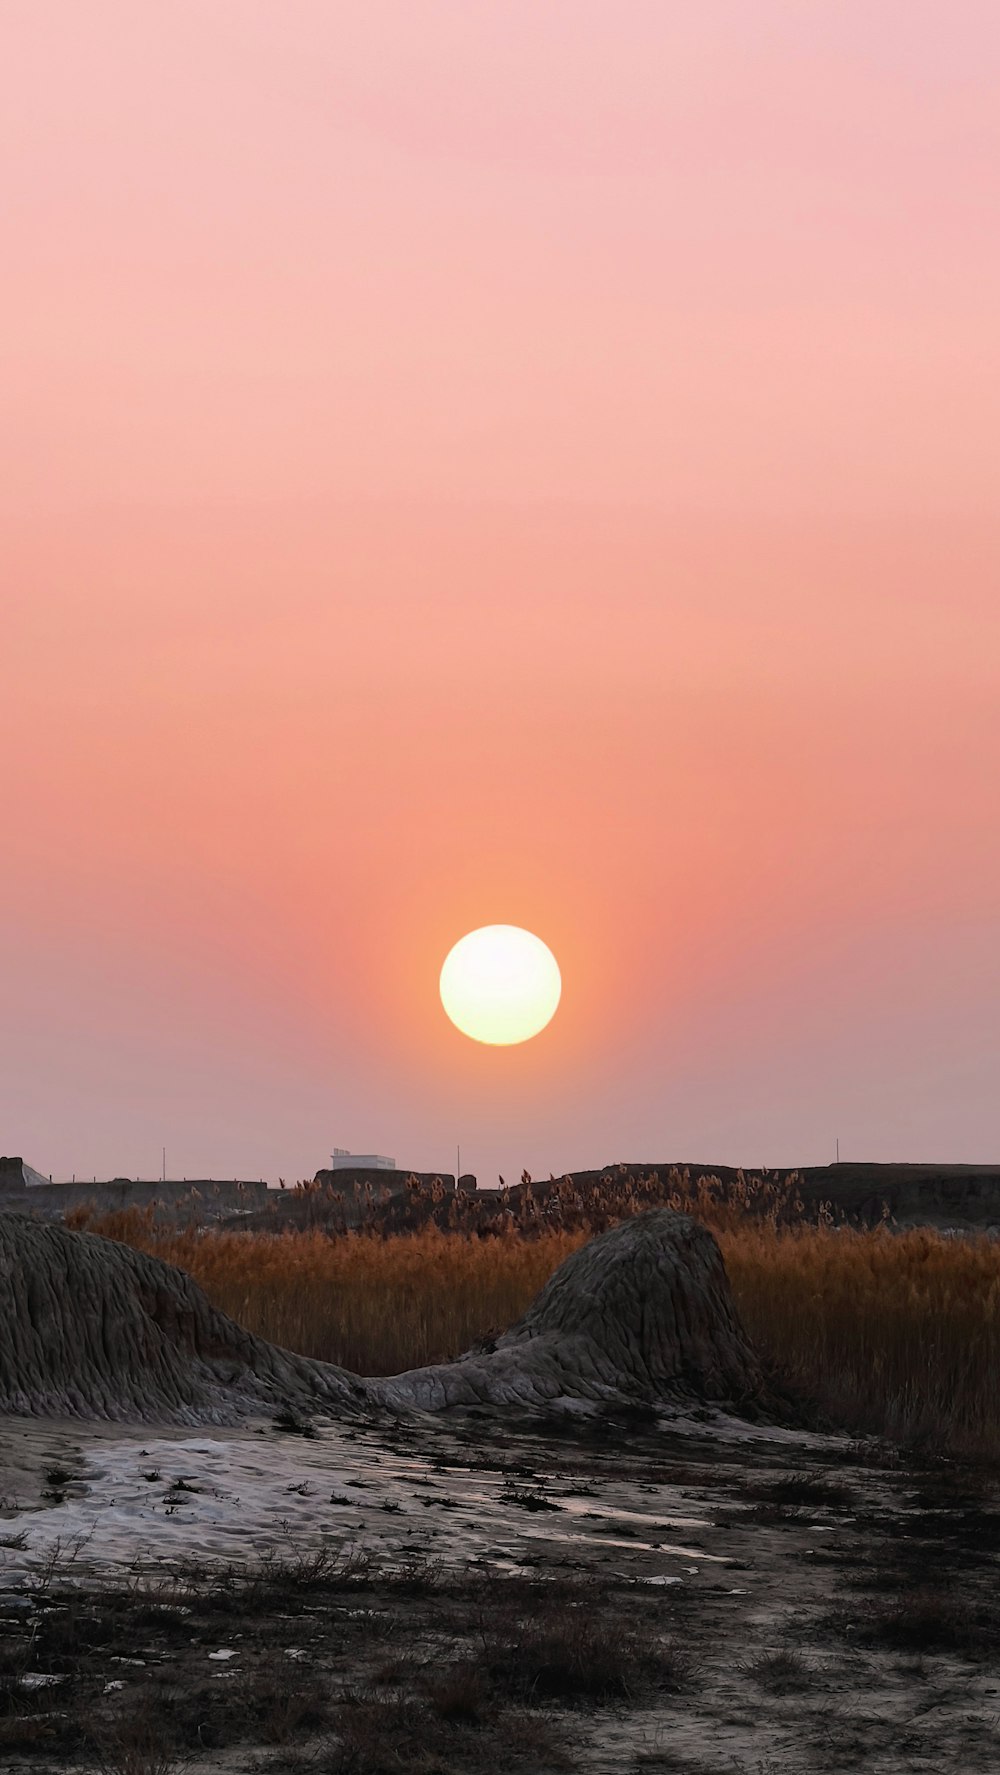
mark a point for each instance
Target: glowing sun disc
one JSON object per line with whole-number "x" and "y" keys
{"x": 500, "y": 984}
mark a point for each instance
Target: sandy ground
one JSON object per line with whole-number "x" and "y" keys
{"x": 148, "y": 1497}
{"x": 674, "y": 1518}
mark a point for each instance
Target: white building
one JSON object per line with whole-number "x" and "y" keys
{"x": 342, "y": 1160}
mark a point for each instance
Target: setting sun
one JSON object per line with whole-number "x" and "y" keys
{"x": 500, "y": 984}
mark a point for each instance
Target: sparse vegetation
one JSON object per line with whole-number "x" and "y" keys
{"x": 569, "y": 1652}
{"x": 927, "y": 1618}
{"x": 782, "y": 1673}
{"x": 339, "y": 1660}
{"x": 134, "y": 1748}
{"x": 525, "y": 1498}
{"x": 891, "y": 1333}
{"x": 516, "y": 1649}
{"x": 802, "y": 1490}
{"x": 451, "y": 1725}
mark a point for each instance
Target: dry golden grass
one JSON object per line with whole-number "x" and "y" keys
{"x": 896, "y": 1333}
{"x": 892, "y": 1333}
{"x": 372, "y": 1305}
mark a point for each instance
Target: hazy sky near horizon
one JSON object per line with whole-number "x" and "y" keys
{"x": 499, "y": 462}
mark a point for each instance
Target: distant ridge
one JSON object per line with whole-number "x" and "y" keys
{"x": 24, "y": 1190}
{"x": 946, "y": 1196}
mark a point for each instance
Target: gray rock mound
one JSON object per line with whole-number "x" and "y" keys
{"x": 641, "y": 1315}
{"x": 91, "y": 1328}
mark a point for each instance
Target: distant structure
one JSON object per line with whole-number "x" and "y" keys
{"x": 23, "y": 1190}
{"x": 342, "y": 1160}
{"x": 14, "y": 1173}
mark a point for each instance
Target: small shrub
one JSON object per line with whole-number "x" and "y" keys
{"x": 559, "y": 1654}
{"x": 927, "y": 1619}
{"x": 524, "y": 1499}
{"x": 460, "y": 1691}
{"x": 396, "y": 1732}
{"x": 800, "y": 1490}
{"x": 781, "y": 1673}
{"x": 135, "y": 1748}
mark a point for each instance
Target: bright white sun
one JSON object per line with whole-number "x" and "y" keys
{"x": 500, "y": 984}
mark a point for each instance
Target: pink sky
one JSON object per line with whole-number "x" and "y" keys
{"x": 469, "y": 463}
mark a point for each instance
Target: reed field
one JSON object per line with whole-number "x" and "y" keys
{"x": 892, "y": 1333}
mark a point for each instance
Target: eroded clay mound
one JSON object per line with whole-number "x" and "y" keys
{"x": 643, "y": 1313}
{"x": 91, "y": 1328}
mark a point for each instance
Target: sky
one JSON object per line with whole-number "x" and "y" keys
{"x": 499, "y": 463}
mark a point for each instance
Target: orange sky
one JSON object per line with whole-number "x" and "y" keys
{"x": 499, "y": 463}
